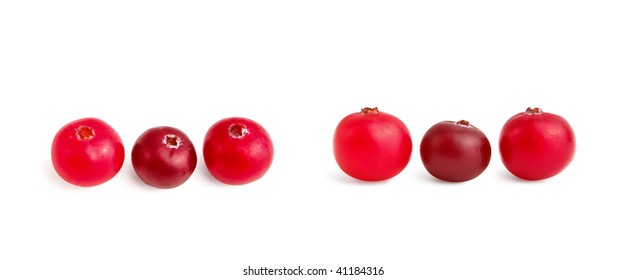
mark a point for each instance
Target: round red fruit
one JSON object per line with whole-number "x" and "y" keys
{"x": 164, "y": 157}
{"x": 536, "y": 145}
{"x": 455, "y": 151}
{"x": 87, "y": 152}
{"x": 237, "y": 151}
{"x": 372, "y": 145}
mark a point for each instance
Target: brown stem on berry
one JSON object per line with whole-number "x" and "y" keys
{"x": 533, "y": 111}
{"x": 85, "y": 133}
{"x": 238, "y": 130}
{"x": 370, "y": 111}
{"x": 463, "y": 122}
{"x": 172, "y": 141}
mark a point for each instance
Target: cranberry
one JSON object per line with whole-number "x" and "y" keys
{"x": 87, "y": 152}
{"x": 237, "y": 151}
{"x": 164, "y": 157}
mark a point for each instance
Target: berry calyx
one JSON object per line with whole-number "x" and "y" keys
{"x": 171, "y": 141}
{"x": 237, "y": 130}
{"x": 534, "y": 111}
{"x": 85, "y": 133}
{"x": 370, "y": 111}
{"x": 463, "y": 123}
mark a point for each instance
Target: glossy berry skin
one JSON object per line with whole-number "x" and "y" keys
{"x": 536, "y": 145}
{"x": 237, "y": 151}
{"x": 87, "y": 152}
{"x": 455, "y": 151}
{"x": 372, "y": 145}
{"x": 164, "y": 157}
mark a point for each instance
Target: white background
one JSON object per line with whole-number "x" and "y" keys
{"x": 298, "y": 67}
